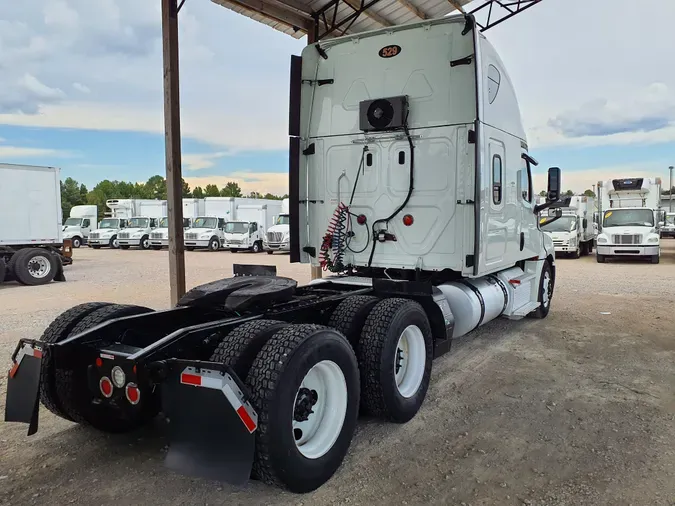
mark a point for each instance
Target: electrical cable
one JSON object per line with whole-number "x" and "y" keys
{"x": 407, "y": 198}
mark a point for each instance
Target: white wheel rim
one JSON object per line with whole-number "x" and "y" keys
{"x": 115, "y": 243}
{"x": 326, "y": 386}
{"x": 76, "y": 243}
{"x": 146, "y": 244}
{"x": 546, "y": 285}
{"x": 410, "y": 361}
{"x": 39, "y": 267}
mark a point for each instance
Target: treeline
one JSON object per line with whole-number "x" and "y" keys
{"x": 570, "y": 193}
{"x": 74, "y": 194}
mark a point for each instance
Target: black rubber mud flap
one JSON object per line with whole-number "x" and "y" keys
{"x": 211, "y": 425}
{"x": 23, "y": 387}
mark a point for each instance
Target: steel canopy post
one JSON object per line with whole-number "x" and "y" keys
{"x": 174, "y": 180}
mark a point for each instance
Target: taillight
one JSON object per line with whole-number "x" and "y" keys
{"x": 408, "y": 220}
{"x": 133, "y": 393}
{"x": 106, "y": 386}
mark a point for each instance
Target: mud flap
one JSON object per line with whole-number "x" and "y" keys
{"x": 23, "y": 386}
{"x": 211, "y": 424}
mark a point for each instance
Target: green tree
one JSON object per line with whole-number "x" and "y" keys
{"x": 255, "y": 195}
{"x": 72, "y": 194}
{"x": 589, "y": 193}
{"x": 156, "y": 187}
{"x": 569, "y": 193}
{"x": 186, "y": 190}
{"x": 211, "y": 190}
{"x": 198, "y": 193}
{"x": 542, "y": 193}
{"x": 231, "y": 189}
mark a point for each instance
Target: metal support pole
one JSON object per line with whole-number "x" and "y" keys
{"x": 316, "y": 272}
{"x": 174, "y": 180}
{"x": 670, "y": 200}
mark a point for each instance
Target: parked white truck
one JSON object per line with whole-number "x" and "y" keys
{"x": 120, "y": 210}
{"x": 437, "y": 236}
{"x": 159, "y": 238}
{"x": 31, "y": 233}
{"x": 79, "y": 224}
{"x": 138, "y": 229}
{"x": 630, "y": 209}
{"x": 574, "y": 233}
{"x": 278, "y": 236}
{"x": 248, "y": 230}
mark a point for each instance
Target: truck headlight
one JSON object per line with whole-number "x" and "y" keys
{"x": 653, "y": 239}
{"x": 602, "y": 240}
{"x": 205, "y": 236}
{"x": 137, "y": 236}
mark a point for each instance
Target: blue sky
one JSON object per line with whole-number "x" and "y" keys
{"x": 82, "y": 90}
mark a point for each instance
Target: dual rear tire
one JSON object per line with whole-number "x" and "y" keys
{"x": 375, "y": 358}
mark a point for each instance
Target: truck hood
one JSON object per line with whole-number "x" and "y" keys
{"x": 70, "y": 229}
{"x": 628, "y": 230}
{"x": 132, "y": 231}
{"x": 279, "y": 228}
{"x": 201, "y": 230}
{"x": 236, "y": 236}
{"x": 559, "y": 236}
{"x": 106, "y": 231}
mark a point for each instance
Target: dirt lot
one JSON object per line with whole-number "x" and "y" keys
{"x": 575, "y": 409}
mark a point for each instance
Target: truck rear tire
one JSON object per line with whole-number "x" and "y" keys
{"x": 189, "y": 248}
{"x": 305, "y": 377}
{"x": 145, "y": 242}
{"x": 157, "y": 248}
{"x": 350, "y": 315}
{"x": 241, "y": 346}
{"x": 395, "y": 353}
{"x": 256, "y": 247}
{"x": 546, "y": 285}
{"x": 96, "y": 246}
{"x": 214, "y": 244}
{"x": 124, "y": 246}
{"x": 3, "y": 270}
{"x": 270, "y": 252}
{"x": 600, "y": 258}
{"x": 76, "y": 242}
{"x": 113, "y": 242}
{"x": 58, "y": 330}
{"x": 34, "y": 266}
{"x": 76, "y": 398}
{"x": 655, "y": 259}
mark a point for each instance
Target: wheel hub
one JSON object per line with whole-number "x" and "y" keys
{"x": 304, "y": 403}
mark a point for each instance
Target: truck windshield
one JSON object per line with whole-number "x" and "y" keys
{"x": 164, "y": 223}
{"x": 110, "y": 223}
{"x": 73, "y": 221}
{"x": 670, "y": 219}
{"x": 139, "y": 223}
{"x": 236, "y": 227}
{"x": 205, "y": 223}
{"x": 562, "y": 224}
{"x": 283, "y": 219}
{"x": 629, "y": 218}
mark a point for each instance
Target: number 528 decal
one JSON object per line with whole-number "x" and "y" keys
{"x": 389, "y": 51}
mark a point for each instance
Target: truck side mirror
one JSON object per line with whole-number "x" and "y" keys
{"x": 553, "y": 190}
{"x": 585, "y": 223}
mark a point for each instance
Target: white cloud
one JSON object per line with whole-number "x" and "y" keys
{"x": 14, "y": 152}
{"x": 198, "y": 161}
{"x": 263, "y": 182}
{"x": 81, "y": 88}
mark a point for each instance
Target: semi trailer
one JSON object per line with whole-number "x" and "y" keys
{"x": 79, "y": 224}
{"x": 32, "y": 249}
{"x": 414, "y": 196}
{"x": 631, "y": 217}
{"x": 575, "y": 232}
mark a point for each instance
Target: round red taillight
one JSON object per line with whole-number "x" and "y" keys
{"x": 361, "y": 219}
{"x": 408, "y": 220}
{"x": 106, "y": 386}
{"x": 133, "y": 393}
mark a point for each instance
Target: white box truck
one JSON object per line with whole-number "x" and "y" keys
{"x": 278, "y": 236}
{"x": 668, "y": 228}
{"x": 247, "y": 230}
{"x": 159, "y": 238}
{"x": 31, "y": 229}
{"x": 574, "y": 233}
{"x": 139, "y": 227}
{"x": 114, "y": 220}
{"x": 207, "y": 230}
{"x": 441, "y": 236}
{"x": 630, "y": 210}
{"x": 79, "y": 224}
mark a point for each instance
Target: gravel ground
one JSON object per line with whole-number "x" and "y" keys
{"x": 575, "y": 409}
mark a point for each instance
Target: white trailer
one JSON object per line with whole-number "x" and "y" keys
{"x": 31, "y": 233}
{"x": 278, "y": 236}
{"x": 574, "y": 233}
{"x": 247, "y": 231}
{"x": 79, "y": 224}
{"x": 630, "y": 209}
{"x": 434, "y": 235}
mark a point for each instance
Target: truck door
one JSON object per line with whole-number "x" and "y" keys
{"x": 496, "y": 226}
{"x": 253, "y": 231}
{"x": 86, "y": 227}
{"x": 529, "y": 240}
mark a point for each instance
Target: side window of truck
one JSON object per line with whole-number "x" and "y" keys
{"x": 221, "y": 223}
{"x": 497, "y": 179}
{"x": 86, "y": 223}
{"x": 254, "y": 227}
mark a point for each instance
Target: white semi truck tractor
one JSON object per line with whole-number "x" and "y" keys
{"x": 278, "y": 236}
{"x": 414, "y": 195}
{"x": 138, "y": 230}
{"x": 630, "y": 210}
{"x": 80, "y": 223}
{"x": 159, "y": 238}
{"x": 574, "y": 233}
{"x": 120, "y": 210}
{"x": 247, "y": 231}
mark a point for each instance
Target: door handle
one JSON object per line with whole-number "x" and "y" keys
{"x": 522, "y": 240}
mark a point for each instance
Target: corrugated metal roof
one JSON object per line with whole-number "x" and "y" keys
{"x": 338, "y": 17}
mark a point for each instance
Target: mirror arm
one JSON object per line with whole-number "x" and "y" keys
{"x": 539, "y": 208}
